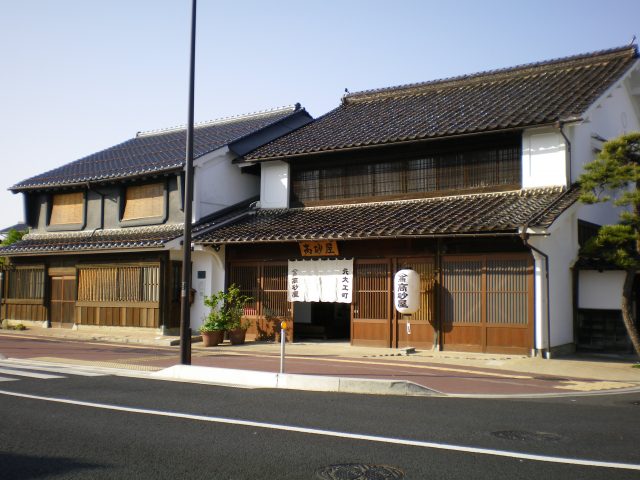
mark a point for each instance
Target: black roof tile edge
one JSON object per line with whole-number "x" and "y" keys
{"x": 23, "y": 186}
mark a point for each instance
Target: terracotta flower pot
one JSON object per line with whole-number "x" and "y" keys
{"x": 211, "y": 339}
{"x": 237, "y": 336}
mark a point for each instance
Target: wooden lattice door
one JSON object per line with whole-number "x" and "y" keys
{"x": 63, "y": 301}
{"x": 371, "y": 312}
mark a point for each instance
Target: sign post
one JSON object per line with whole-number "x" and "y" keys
{"x": 283, "y": 339}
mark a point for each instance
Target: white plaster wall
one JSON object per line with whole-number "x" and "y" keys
{"x": 212, "y": 263}
{"x": 218, "y": 184}
{"x": 600, "y": 290}
{"x": 274, "y": 185}
{"x": 613, "y": 115}
{"x": 543, "y": 159}
{"x": 562, "y": 248}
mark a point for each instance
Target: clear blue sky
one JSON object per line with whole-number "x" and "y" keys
{"x": 78, "y": 76}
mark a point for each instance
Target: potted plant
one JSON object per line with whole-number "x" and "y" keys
{"x": 216, "y": 323}
{"x": 234, "y": 304}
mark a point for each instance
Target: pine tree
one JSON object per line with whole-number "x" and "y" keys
{"x": 615, "y": 176}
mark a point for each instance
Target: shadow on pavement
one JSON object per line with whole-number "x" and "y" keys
{"x": 28, "y": 466}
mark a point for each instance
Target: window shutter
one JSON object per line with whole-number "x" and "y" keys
{"x": 67, "y": 208}
{"x": 144, "y": 201}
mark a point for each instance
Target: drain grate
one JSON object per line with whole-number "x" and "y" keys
{"x": 359, "y": 471}
{"x": 524, "y": 436}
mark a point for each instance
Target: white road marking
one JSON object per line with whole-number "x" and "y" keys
{"x": 330, "y": 433}
{"x": 24, "y": 373}
{"x": 7, "y": 379}
{"x": 67, "y": 370}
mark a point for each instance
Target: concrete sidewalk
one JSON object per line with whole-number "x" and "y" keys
{"x": 422, "y": 372}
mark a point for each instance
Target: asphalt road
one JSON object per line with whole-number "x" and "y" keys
{"x": 117, "y": 427}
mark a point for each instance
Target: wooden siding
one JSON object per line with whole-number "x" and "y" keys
{"x": 24, "y": 311}
{"x": 118, "y": 316}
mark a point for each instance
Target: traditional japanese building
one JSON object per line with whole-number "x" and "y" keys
{"x": 468, "y": 181}
{"x": 103, "y": 248}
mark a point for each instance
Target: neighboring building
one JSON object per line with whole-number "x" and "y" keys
{"x": 469, "y": 181}
{"x": 103, "y": 247}
{"x": 18, "y": 227}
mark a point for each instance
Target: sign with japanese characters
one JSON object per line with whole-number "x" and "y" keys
{"x": 321, "y": 280}
{"x": 325, "y": 248}
{"x": 406, "y": 291}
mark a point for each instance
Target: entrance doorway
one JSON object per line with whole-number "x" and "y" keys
{"x": 63, "y": 301}
{"x": 322, "y": 321}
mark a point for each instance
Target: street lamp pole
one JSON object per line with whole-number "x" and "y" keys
{"x": 185, "y": 307}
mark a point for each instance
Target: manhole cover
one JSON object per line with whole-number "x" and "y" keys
{"x": 523, "y": 435}
{"x": 359, "y": 471}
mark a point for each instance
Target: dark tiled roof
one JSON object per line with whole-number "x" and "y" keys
{"x": 519, "y": 97}
{"x": 502, "y": 212}
{"x": 116, "y": 239}
{"x": 155, "y": 151}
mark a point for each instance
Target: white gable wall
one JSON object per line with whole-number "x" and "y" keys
{"x": 218, "y": 183}
{"x": 274, "y": 185}
{"x": 543, "y": 158}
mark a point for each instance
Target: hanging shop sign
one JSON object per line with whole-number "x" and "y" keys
{"x": 322, "y": 280}
{"x": 406, "y": 291}
{"x": 325, "y": 248}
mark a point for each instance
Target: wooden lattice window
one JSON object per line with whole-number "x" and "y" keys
{"x": 67, "y": 208}
{"x": 508, "y": 291}
{"x": 438, "y": 172}
{"x": 119, "y": 283}
{"x": 26, "y": 283}
{"x": 144, "y": 201}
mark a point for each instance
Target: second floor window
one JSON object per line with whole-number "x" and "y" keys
{"x": 144, "y": 201}
{"x": 67, "y": 208}
{"x": 452, "y": 171}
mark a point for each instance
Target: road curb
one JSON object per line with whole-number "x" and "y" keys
{"x": 290, "y": 381}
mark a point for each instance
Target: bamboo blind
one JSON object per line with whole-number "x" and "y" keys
{"x": 144, "y": 201}
{"x": 67, "y": 208}
{"x": 439, "y": 172}
{"x": 26, "y": 283}
{"x": 121, "y": 283}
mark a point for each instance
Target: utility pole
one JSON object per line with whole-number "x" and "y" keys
{"x": 185, "y": 307}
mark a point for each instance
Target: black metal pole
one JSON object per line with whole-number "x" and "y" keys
{"x": 185, "y": 307}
